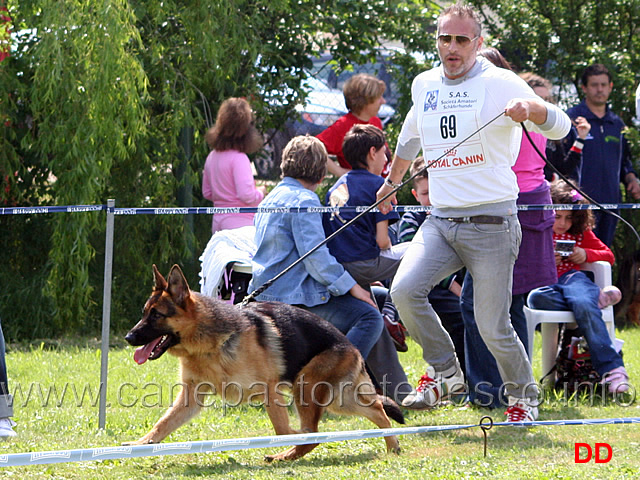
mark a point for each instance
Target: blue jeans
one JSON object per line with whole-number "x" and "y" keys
{"x": 6, "y": 403}
{"x": 482, "y": 373}
{"x": 360, "y": 322}
{"x": 442, "y": 247}
{"x": 384, "y": 362}
{"x": 577, "y": 293}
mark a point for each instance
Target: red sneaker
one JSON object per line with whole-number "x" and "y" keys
{"x": 521, "y": 411}
{"x": 433, "y": 389}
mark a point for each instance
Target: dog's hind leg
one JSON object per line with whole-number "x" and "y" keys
{"x": 375, "y": 412}
{"x": 358, "y": 397}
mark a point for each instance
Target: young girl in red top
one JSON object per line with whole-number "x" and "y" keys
{"x": 576, "y": 292}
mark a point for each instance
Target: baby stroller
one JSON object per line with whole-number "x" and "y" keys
{"x": 225, "y": 270}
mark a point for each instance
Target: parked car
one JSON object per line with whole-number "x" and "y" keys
{"x": 382, "y": 68}
{"x": 323, "y": 106}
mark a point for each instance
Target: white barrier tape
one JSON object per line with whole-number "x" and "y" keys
{"x": 133, "y": 451}
{"x": 112, "y": 453}
{"x": 215, "y": 210}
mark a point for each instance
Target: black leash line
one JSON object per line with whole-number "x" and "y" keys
{"x": 576, "y": 188}
{"x": 268, "y": 283}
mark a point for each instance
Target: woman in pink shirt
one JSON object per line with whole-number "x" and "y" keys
{"x": 227, "y": 178}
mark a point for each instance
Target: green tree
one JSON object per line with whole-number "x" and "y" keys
{"x": 79, "y": 89}
{"x": 111, "y": 98}
{"x": 559, "y": 39}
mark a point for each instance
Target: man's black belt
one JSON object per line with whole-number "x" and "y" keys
{"x": 489, "y": 219}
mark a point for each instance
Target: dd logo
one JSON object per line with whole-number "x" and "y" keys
{"x": 589, "y": 452}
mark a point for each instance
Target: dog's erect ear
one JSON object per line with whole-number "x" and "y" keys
{"x": 178, "y": 286}
{"x": 161, "y": 283}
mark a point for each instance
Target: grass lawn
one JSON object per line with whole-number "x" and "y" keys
{"x": 56, "y": 397}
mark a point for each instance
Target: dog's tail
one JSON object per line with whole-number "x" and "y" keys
{"x": 392, "y": 409}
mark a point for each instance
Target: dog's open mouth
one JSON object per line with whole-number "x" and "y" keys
{"x": 152, "y": 350}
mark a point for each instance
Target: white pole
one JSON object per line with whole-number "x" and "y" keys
{"x": 106, "y": 313}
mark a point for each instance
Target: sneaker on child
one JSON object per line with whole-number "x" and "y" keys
{"x": 521, "y": 410}
{"x": 6, "y": 428}
{"x": 435, "y": 388}
{"x": 617, "y": 379}
{"x": 609, "y": 295}
{"x": 396, "y": 330}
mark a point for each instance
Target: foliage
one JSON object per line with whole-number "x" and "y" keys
{"x": 111, "y": 98}
{"x": 77, "y": 110}
{"x": 559, "y": 39}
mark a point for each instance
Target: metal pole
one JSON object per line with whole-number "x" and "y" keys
{"x": 106, "y": 313}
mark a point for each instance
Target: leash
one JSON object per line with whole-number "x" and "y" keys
{"x": 575, "y": 187}
{"x": 268, "y": 283}
{"x": 251, "y": 297}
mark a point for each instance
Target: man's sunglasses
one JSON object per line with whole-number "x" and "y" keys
{"x": 462, "y": 40}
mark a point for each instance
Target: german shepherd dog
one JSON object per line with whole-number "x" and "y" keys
{"x": 262, "y": 349}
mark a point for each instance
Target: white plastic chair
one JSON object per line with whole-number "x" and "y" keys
{"x": 549, "y": 320}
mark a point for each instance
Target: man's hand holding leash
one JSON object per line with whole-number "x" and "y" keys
{"x": 399, "y": 167}
{"x": 521, "y": 110}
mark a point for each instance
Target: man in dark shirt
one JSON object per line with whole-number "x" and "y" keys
{"x": 606, "y": 159}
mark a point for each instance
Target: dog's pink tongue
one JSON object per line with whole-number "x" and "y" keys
{"x": 143, "y": 353}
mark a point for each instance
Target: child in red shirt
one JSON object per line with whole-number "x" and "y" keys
{"x": 576, "y": 292}
{"x": 363, "y": 97}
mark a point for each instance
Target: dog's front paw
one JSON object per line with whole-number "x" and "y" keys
{"x": 397, "y": 450}
{"x": 292, "y": 454}
{"x": 280, "y": 457}
{"x": 393, "y": 446}
{"x": 142, "y": 441}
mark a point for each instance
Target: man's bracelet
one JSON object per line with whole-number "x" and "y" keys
{"x": 389, "y": 183}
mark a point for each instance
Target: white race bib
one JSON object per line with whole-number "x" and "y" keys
{"x": 447, "y": 116}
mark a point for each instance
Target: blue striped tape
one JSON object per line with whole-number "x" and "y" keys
{"x": 54, "y": 209}
{"x": 217, "y": 210}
